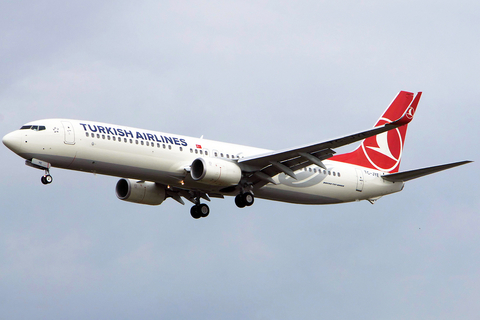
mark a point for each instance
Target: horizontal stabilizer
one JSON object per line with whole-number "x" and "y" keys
{"x": 413, "y": 174}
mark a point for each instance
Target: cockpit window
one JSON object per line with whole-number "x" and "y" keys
{"x": 35, "y": 128}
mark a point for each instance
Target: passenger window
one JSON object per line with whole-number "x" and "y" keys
{"x": 329, "y": 173}
{"x": 114, "y": 139}
{"x": 181, "y": 149}
{"x": 334, "y": 174}
{"x": 164, "y": 146}
{"x": 338, "y": 174}
{"x": 169, "y": 147}
{"x": 216, "y": 154}
{"x": 98, "y": 135}
{"x": 201, "y": 152}
{"x": 146, "y": 143}
{"x": 221, "y": 155}
{"x": 191, "y": 150}
{"x": 86, "y": 134}
{"x": 196, "y": 151}
{"x": 108, "y": 137}
{"x": 103, "y": 136}
{"x": 206, "y": 152}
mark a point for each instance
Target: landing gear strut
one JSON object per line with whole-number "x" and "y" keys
{"x": 245, "y": 199}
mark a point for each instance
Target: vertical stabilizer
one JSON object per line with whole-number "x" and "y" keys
{"x": 384, "y": 151}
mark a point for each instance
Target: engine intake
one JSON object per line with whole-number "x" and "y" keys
{"x": 215, "y": 172}
{"x": 144, "y": 192}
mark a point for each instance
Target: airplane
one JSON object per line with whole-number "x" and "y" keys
{"x": 154, "y": 166}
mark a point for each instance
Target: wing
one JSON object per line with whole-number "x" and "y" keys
{"x": 263, "y": 167}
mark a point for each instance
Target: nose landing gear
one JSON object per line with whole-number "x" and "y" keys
{"x": 42, "y": 165}
{"x": 47, "y": 178}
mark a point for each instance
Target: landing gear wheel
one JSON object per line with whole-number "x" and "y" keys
{"x": 248, "y": 198}
{"x": 200, "y": 211}
{"x": 204, "y": 210}
{"x": 244, "y": 199}
{"x": 239, "y": 201}
{"x": 195, "y": 212}
{"x": 47, "y": 179}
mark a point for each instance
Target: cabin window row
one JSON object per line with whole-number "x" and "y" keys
{"x": 329, "y": 172}
{"x": 127, "y": 140}
{"x": 215, "y": 154}
{"x": 196, "y": 151}
{"x": 152, "y": 144}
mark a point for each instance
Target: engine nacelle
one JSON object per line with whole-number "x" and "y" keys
{"x": 144, "y": 192}
{"x": 215, "y": 172}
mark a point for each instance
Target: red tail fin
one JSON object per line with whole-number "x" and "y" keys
{"x": 384, "y": 151}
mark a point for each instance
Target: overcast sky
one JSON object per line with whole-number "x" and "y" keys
{"x": 271, "y": 74}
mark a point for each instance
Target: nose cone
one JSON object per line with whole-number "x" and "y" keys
{"x": 12, "y": 141}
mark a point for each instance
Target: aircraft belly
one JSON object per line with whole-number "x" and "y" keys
{"x": 293, "y": 196}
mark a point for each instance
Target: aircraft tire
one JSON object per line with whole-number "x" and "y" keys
{"x": 203, "y": 210}
{"x": 48, "y": 179}
{"x": 195, "y": 212}
{"x": 239, "y": 201}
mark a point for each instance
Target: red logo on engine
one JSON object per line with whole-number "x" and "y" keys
{"x": 384, "y": 151}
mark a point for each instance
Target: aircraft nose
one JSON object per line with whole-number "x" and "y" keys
{"x": 11, "y": 141}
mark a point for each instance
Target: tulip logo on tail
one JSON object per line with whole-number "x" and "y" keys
{"x": 384, "y": 151}
{"x": 410, "y": 113}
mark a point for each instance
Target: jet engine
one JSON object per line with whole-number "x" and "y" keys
{"x": 215, "y": 172}
{"x": 143, "y": 192}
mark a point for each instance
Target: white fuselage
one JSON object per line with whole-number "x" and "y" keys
{"x": 165, "y": 158}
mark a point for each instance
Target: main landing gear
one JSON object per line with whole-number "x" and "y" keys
{"x": 245, "y": 199}
{"x": 200, "y": 210}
